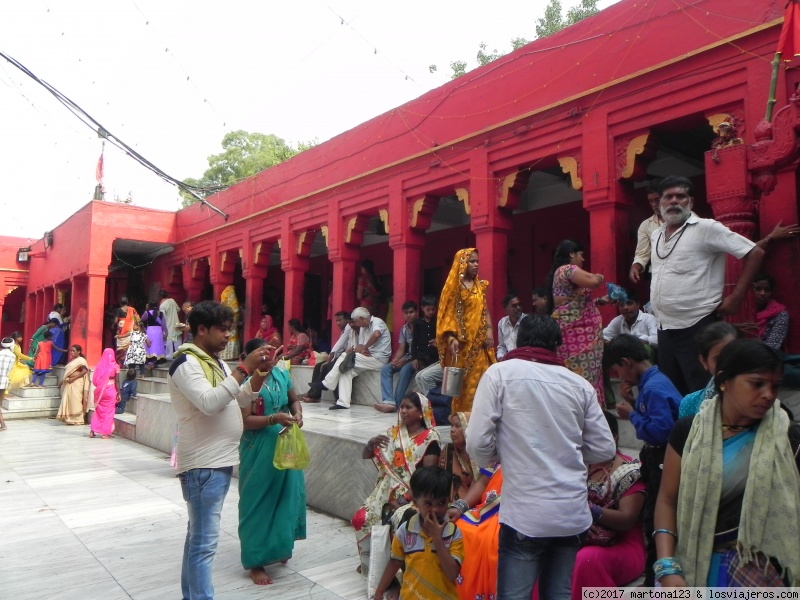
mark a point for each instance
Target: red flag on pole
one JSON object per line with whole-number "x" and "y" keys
{"x": 99, "y": 171}
{"x": 789, "y": 42}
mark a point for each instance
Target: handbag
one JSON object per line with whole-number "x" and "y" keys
{"x": 291, "y": 450}
{"x": 348, "y": 363}
{"x": 380, "y": 547}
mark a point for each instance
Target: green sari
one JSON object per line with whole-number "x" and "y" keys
{"x": 37, "y": 337}
{"x": 272, "y": 503}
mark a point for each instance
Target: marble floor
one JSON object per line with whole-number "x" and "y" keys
{"x": 90, "y": 518}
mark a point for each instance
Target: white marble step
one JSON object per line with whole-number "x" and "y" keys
{"x": 14, "y": 403}
{"x": 36, "y": 392}
{"x": 151, "y": 385}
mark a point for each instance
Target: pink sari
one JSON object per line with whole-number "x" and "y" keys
{"x": 105, "y": 393}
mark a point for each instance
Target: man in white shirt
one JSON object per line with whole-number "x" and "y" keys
{"x": 207, "y": 399}
{"x": 321, "y": 370}
{"x": 508, "y": 326}
{"x": 633, "y": 321}
{"x": 170, "y": 309}
{"x": 641, "y": 257}
{"x": 535, "y": 416}
{"x": 372, "y": 349}
{"x": 688, "y": 265}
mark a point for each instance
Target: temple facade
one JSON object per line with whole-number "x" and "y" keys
{"x": 555, "y": 140}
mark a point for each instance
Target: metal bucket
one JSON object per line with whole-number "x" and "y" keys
{"x": 452, "y": 380}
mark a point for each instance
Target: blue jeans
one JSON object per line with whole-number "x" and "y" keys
{"x": 521, "y": 559}
{"x": 387, "y": 378}
{"x": 204, "y": 491}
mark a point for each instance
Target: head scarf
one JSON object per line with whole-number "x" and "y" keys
{"x": 268, "y": 329}
{"x": 427, "y": 413}
{"x": 450, "y": 317}
{"x": 105, "y": 369}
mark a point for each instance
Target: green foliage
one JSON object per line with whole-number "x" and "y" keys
{"x": 244, "y": 154}
{"x": 552, "y": 21}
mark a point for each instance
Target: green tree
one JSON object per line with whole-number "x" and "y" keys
{"x": 244, "y": 154}
{"x": 552, "y": 21}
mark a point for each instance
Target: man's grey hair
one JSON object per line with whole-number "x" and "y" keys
{"x": 360, "y": 313}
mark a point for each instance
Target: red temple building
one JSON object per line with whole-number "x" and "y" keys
{"x": 557, "y": 139}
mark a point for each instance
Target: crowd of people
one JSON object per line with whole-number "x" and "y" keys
{"x": 532, "y": 495}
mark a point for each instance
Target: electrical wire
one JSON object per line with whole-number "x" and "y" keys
{"x": 194, "y": 191}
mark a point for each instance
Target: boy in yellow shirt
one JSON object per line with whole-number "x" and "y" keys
{"x": 427, "y": 544}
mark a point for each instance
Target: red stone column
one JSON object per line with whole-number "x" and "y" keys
{"x": 41, "y": 309}
{"x": 610, "y": 252}
{"x": 88, "y": 297}
{"x": 295, "y": 250}
{"x": 783, "y": 257}
{"x": 253, "y": 298}
{"x": 49, "y": 300}
{"x": 30, "y": 325}
{"x": 344, "y": 256}
{"x": 407, "y": 239}
{"x": 491, "y": 226}
{"x": 730, "y": 197}
{"x": 220, "y": 273}
{"x": 193, "y": 279}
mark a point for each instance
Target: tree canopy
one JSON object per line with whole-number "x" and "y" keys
{"x": 551, "y": 22}
{"x": 244, "y": 154}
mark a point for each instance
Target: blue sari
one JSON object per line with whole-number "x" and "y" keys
{"x": 58, "y": 338}
{"x": 272, "y": 503}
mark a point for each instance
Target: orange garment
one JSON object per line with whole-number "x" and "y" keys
{"x": 463, "y": 313}
{"x": 480, "y": 528}
{"x": 44, "y": 356}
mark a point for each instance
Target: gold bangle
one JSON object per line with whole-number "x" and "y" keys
{"x": 263, "y": 373}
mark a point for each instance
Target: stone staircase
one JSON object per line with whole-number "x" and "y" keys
{"x": 32, "y": 403}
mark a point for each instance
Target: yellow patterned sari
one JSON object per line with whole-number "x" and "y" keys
{"x": 228, "y": 298}
{"x": 463, "y": 313}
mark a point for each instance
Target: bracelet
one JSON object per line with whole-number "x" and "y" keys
{"x": 263, "y": 373}
{"x": 672, "y": 533}
{"x": 271, "y": 420}
{"x": 460, "y": 505}
{"x": 243, "y": 371}
{"x": 668, "y": 565}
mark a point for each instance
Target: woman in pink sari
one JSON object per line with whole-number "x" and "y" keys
{"x": 106, "y": 395}
{"x": 581, "y": 325}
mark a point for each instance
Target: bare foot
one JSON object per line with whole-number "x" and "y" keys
{"x": 260, "y": 577}
{"x": 385, "y": 408}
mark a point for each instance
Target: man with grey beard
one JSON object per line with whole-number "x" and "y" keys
{"x": 688, "y": 264}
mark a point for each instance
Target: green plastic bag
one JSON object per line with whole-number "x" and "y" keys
{"x": 291, "y": 450}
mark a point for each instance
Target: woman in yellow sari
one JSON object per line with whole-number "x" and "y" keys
{"x": 20, "y": 374}
{"x": 464, "y": 327}
{"x": 74, "y": 388}
{"x": 228, "y": 298}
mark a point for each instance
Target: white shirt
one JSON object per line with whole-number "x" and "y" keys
{"x": 689, "y": 270}
{"x": 507, "y": 335}
{"x": 382, "y": 348}
{"x": 209, "y": 418}
{"x": 544, "y": 425}
{"x": 646, "y": 229}
{"x": 342, "y": 343}
{"x": 645, "y": 328}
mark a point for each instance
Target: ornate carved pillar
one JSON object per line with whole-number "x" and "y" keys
{"x": 735, "y": 206}
{"x": 295, "y": 250}
{"x": 254, "y": 271}
{"x": 87, "y": 310}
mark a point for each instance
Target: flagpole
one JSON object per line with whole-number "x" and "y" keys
{"x": 773, "y": 86}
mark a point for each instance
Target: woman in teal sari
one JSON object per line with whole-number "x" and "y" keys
{"x": 272, "y": 503}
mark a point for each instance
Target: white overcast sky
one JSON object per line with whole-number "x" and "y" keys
{"x": 170, "y": 78}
